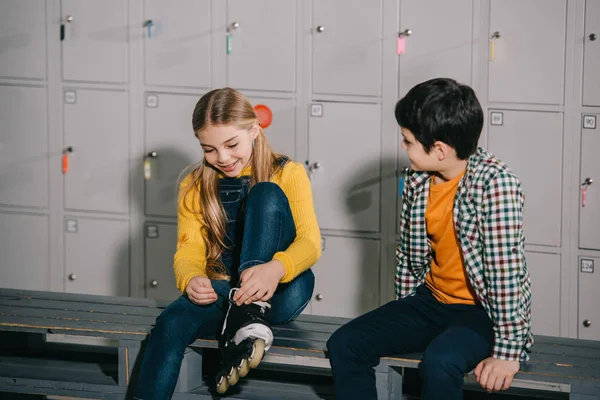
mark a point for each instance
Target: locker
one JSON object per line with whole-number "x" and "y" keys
{"x": 544, "y": 270}
{"x": 177, "y": 43}
{"x": 282, "y": 131}
{"x": 432, "y": 52}
{"x": 347, "y": 52}
{"x": 96, "y": 129}
{"x": 528, "y": 63}
{"x": 95, "y": 45}
{"x": 589, "y": 313}
{"x": 24, "y": 249}
{"x": 345, "y": 165}
{"x": 23, "y": 38}
{"x": 96, "y": 256}
{"x": 591, "y": 54}
{"x": 589, "y": 184}
{"x": 23, "y": 147}
{"x": 262, "y": 41}
{"x": 170, "y": 147}
{"x": 346, "y": 277}
{"x": 530, "y": 143}
{"x": 160, "y": 241}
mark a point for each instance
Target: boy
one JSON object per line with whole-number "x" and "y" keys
{"x": 462, "y": 287}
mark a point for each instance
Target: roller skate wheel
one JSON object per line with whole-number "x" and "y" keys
{"x": 222, "y": 385}
{"x": 233, "y": 376}
{"x": 258, "y": 352}
{"x": 243, "y": 368}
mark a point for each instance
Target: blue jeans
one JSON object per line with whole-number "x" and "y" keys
{"x": 454, "y": 339}
{"x": 267, "y": 226}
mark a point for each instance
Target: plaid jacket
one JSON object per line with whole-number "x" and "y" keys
{"x": 488, "y": 219}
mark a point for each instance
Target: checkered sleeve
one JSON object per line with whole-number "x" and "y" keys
{"x": 405, "y": 282}
{"x": 504, "y": 264}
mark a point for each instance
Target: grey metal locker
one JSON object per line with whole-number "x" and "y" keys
{"x": 23, "y": 146}
{"x": 170, "y": 147}
{"x": 96, "y": 256}
{"x": 544, "y": 270}
{"x": 591, "y": 54}
{"x": 589, "y": 312}
{"x": 23, "y": 38}
{"x": 160, "y": 241}
{"x": 177, "y": 43}
{"x": 347, "y": 52}
{"x": 527, "y": 60}
{"x": 589, "y": 184}
{"x": 96, "y": 129}
{"x": 259, "y": 39}
{"x": 530, "y": 142}
{"x": 95, "y": 44}
{"x": 282, "y": 131}
{"x": 430, "y": 51}
{"x": 24, "y": 248}
{"x": 346, "y": 184}
{"x": 346, "y": 277}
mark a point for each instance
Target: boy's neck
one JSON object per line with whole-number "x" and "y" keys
{"x": 450, "y": 172}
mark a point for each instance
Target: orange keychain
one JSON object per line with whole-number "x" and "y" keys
{"x": 65, "y": 159}
{"x": 264, "y": 114}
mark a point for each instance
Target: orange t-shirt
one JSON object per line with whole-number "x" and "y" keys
{"x": 447, "y": 278}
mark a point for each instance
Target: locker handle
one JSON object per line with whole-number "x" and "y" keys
{"x": 154, "y": 283}
{"x": 319, "y": 297}
{"x": 587, "y": 323}
{"x": 72, "y": 277}
{"x": 405, "y": 33}
{"x": 320, "y": 29}
{"x": 593, "y": 37}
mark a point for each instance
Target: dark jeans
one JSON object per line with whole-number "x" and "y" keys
{"x": 454, "y": 339}
{"x": 268, "y": 227}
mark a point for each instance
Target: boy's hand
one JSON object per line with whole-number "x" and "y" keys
{"x": 259, "y": 282}
{"x": 200, "y": 291}
{"x": 495, "y": 375}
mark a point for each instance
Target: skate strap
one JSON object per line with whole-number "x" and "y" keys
{"x": 259, "y": 303}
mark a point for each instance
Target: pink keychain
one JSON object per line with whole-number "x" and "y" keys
{"x": 401, "y": 42}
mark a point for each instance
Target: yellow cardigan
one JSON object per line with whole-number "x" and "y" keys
{"x": 190, "y": 257}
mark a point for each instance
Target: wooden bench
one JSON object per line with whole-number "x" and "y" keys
{"x": 34, "y": 360}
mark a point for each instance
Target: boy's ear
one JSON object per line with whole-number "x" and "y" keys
{"x": 441, "y": 150}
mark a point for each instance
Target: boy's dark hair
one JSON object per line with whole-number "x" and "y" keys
{"x": 442, "y": 110}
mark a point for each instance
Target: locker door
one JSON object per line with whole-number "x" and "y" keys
{"x": 282, "y": 131}
{"x": 589, "y": 179}
{"x": 591, "y": 54}
{"x": 529, "y": 56}
{"x": 589, "y": 312}
{"x": 24, "y": 249}
{"x": 345, "y": 159}
{"x": 530, "y": 143}
{"x": 347, "y": 51}
{"x": 95, "y": 44}
{"x": 432, "y": 52}
{"x": 96, "y": 128}
{"x": 177, "y": 43}
{"x": 545, "y": 303}
{"x": 23, "y": 147}
{"x": 263, "y": 44}
{"x": 347, "y": 277}
{"x": 160, "y": 242}
{"x": 97, "y": 256}
{"x": 172, "y": 147}
{"x": 23, "y": 38}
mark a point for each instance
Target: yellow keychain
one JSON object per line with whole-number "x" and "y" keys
{"x": 495, "y": 36}
{"x": 147, "y": 169}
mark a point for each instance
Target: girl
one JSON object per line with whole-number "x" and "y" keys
{"x": 247, "y": 237}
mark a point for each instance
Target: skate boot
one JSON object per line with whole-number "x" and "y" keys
{"x": 245, "y": 338}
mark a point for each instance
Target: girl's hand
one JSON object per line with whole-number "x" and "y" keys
{"x": 259, "y": 282}
{"x": 200, "y": 291}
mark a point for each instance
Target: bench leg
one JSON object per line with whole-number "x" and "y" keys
{"x": 389, "y": 383}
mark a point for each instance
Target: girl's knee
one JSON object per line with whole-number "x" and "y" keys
{"x": 267, "y": 195}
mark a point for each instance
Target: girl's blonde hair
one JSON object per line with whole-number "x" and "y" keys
{"x": 217, "y": 108}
